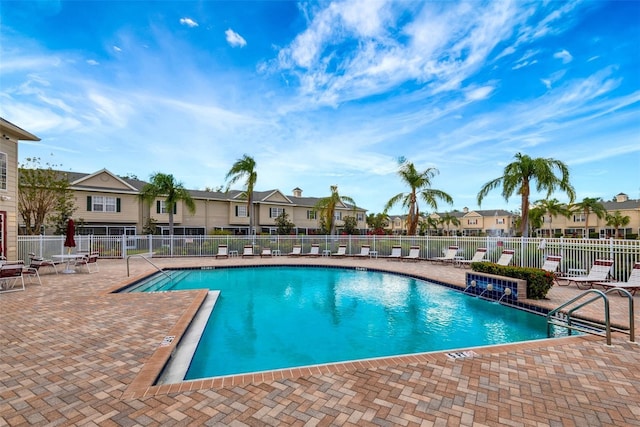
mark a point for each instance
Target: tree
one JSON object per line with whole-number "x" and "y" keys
{"x": 327, "y": 208}
{"x": 378, "y": 223}
{"x": 552, "y": 207}
{"x": 284, "y": 225}
{"x": 448, "y": 219}
{"x": 428, "y": 222}
{"x": 165, "y": 186}
{"x": 245, "y": 167}
{"x": 419, "y": 183}
{"x": 43, "y": 195}
{"x": 617, "y": 220}
{"x": 518, "y": 177}
{"x": 351, "y": 225}
{"x": 589, "y": 205}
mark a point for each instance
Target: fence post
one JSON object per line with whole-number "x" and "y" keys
{"x": 123, "y": 246}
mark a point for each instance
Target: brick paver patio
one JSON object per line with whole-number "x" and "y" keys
{"x": 71, "y": 353}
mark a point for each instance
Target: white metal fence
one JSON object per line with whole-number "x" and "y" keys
{"x": 578, "y": 255}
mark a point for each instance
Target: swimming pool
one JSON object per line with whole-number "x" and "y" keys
{"x": 277, "y": 317}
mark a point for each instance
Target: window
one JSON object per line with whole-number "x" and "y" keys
{"x": 578, "y": 218}
{"x": 499, "y": 220}
{"x": 337, "y": 215}
{"x": 161, "y": 207}
{"x": 312, "y": 214}
{"x": 103, "y": 204}
{"x": 472, "y": 221}
{"x": 360, "y": 217}
{"x": 3, "y": 171}
{"x": 275, "y": 212}
{"x": 241, "y": 211}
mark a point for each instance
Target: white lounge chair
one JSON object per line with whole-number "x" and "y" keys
{"x": 364, "y": 251}
{"x": 266, "y": 252}
{"x": 632, "y": 284}
{"x": 342, "y": 251}
{"x": 477, "y": 257}
{"x": 223, "y": 251}
{"x": 506, "y": 257}
{"x": 314, "y": 251}
{"x": 551, "y": 265}
{"x": 449, "y": 256}
{"x": 296, "y": 251}
{"x": 414, "y": 254}
{"x": 600, "y": 272}
{"x": 396, "y": 253}
{"x": 247, "y": 251}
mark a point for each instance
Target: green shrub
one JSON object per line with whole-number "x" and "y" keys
{"x": 539, "y": 282}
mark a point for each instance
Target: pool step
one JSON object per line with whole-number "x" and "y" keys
{"x": 162, "y": 281}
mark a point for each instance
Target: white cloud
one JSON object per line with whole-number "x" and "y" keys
{"x": 188, "y": 22}
{"x": 92, "y": 62}
{"x": 117, "y": 49}
{"x": 235, "y": 39}
{"x": 480, "y": 93}
{"x": 563, "y": 55}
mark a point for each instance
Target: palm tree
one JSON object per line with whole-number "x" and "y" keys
{"x": 327, "y": 208}
{"x": 448, "y": 219}
{"x": 245, "y": 167}
{"x": 554, "y": 208}
{"x": 617, "y": 220}
{"x": 589, "y": 205}
{"x": 419, "y": 183}
{"x": 165, "y": 185}
{"x": 427, "y": 222}
{"x": 518, "y": 178}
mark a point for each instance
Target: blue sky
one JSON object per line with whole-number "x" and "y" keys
{"x": 329, "y": 93}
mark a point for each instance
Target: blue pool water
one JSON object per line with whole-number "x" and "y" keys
{"x": 277, "y": 317}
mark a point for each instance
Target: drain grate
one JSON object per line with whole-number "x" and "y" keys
{"x": 461, "y": 354}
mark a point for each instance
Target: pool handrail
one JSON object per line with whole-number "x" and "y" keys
{"x": 144, "y": 257}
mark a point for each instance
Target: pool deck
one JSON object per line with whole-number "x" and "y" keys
{"x": 71, "y": 353}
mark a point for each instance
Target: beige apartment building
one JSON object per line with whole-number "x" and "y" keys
{"x": 497, "y": 222}
{"x": 106, "y": 204}
{"x": 574, "y": 225}
{"x": 11, "y": 135}
{"x": 494, "y": 222}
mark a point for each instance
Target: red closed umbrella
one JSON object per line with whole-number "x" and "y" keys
{"x": 69, "y": 241}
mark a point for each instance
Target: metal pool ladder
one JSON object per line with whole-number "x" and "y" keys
{"x": 565, "y": 318}
{"x": 146, "y": 259}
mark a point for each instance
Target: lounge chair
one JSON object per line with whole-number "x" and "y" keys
{"x": 414, "y": 254}
{"x": 396, "y": 253}
{"x": 315, "y": 250}
{"x": 342, "y": 251}
{"x": 247, "y": 251}
{"x": 449, "y": 256}
{"x": 296, "y": 251}
{"x": 89, "y": 261}
{"x": 265, "y": 252}
{"x": 600, "y": 272}
{"x": 223, "y": 251}
{"x": 364, "y": 251}
{"x": 38, "y": 263}
{"x": 632, "y": 284}
{"x": 506, "y": 257}
{"x": 10, "y": 276}
{"x": 477, "y": 257}
{"x": 551, "y": 265}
